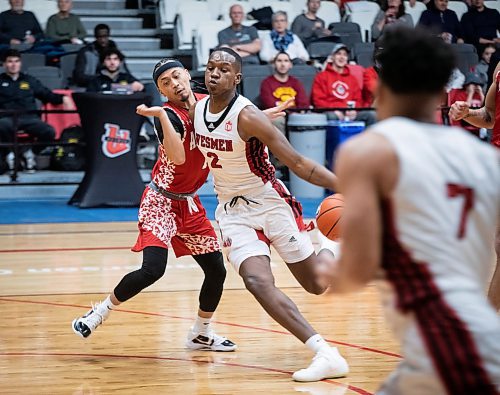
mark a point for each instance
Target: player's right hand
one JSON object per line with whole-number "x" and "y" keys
{"x": 458, "y": 110}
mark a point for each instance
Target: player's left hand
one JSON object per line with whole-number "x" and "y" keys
{"x": 279, "y": 111}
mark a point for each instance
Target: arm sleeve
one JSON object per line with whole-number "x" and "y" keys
{"x": 81, "y": 32}
{"x": 267, "y": 49}
{"x": 176, "y": 123}
{"x": 375, "y": 30}
{"x": 301, "y": 50}
{"x": 44, "y": 94}
{"x": 50, "y": 29}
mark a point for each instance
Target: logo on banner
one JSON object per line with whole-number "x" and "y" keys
{"x": 115, "y": 141}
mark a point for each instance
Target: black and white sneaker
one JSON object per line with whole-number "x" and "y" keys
{"x": 86, "y": 324}
{"x": 209, "y": 341}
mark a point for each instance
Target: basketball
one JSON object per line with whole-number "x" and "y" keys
{"x": 329, "y": 214}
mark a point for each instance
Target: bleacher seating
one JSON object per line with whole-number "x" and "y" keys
{"x": 459, "y": 7}
{"x": 319, "y": 50}
{"x": 67, "y": 65}
{"x": 190, "y": 14}
{"x": 286, "y": 6}
{"x": 494, "y": 4}
{"x": 206, "y": 39}
{"x": 305, "y": 74}
{"x": 50, "y": 76}
{"x": 329, "y": 12}
{"x": 467, "y": 56}
{"x": 415, "y": 11}
{"x": 31, "y": 59}
{"x": 363, "y": 13}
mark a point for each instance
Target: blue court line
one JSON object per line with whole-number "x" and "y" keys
{"x": 56, "y": 210}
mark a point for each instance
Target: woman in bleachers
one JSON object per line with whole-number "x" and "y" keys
{"x": 280, "y": 39}
{"x": 392, "y": 13}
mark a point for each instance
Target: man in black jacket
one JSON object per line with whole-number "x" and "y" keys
{"x": 18, "y": 91}
{"x": 112, "y": 59}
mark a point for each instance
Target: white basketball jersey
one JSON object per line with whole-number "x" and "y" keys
{"x": 238, "y": 166}
{"x": 447, "y": 200}
{"x": 439, "y": 229}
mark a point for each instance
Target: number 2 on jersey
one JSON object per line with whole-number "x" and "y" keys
{"x": 456, "y": 190}
{"x": 215, "y": 160}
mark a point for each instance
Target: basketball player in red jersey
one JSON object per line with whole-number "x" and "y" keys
{"x": 488, "y": 117}
{"x": 171, "y": 214}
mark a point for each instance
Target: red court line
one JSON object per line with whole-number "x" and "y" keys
{"x": 149, "y": 357}
{"x": 374, "y": 350}
{"x": 64, "y": 249}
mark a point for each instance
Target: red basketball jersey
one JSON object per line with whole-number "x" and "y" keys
{"x": 190, "y": 176}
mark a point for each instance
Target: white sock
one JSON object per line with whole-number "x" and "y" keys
{"x": 326, "y": 244}
{"x": 201, "y": 324}
{"x": 316, "y": 343}
{"x": 106, "y": 306}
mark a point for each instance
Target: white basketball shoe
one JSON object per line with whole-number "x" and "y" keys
{"x": 326, "y": 364}
{"x": 85, "y": 325}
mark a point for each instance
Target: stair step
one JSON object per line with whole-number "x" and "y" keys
{"x": 146, "y": 53}
{"x": 147, "y": 33}
{"x": 114, "y": 23}
{"x": 132, "y": 43}
{"x": 106, "y": 5}
{"x": 83, "y": 12}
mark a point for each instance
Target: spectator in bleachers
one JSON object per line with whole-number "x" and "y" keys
{"x": 111, "y": 60}
{"x": 18, "y": 26}
{"x": 481, "y": 25}
{"x": 484, "y": 63}
{"x": 370, "y": 81}
{"x": 280, "y": 39}
{"x": 65, "y": 27}
{"x": 392, "y": 13}
{"x": 309, "y": 26}
{"x": 443, "y": 21}
{"x": 337, "y": 87}
{"x": 88, "y": 62}
{"x": 281, "y": 86}
{"x": 18, "y": 91}
{"x": 244, "y": 40}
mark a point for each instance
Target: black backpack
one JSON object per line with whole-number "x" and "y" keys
{"x": 70, "y": 157}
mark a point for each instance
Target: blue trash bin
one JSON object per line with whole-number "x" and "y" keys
{"x": 336, "y": 133}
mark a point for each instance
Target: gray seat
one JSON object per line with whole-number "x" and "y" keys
{"x": 67, "y": 65}
{"x": 320, "y": 50}
{"x": 467, "y": 56}
{"x": 306, "y": 75}
{"x": 49, "y": 76}
{"x": 31, "y": 60}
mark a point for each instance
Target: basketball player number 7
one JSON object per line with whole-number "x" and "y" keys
{"x": 455, "y": 190}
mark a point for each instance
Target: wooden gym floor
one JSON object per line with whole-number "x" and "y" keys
{"x": 50, "y": 273}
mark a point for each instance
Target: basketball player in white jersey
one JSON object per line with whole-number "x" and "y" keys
{"x": 420, "y": 215}
{"x": 255, "y": 209}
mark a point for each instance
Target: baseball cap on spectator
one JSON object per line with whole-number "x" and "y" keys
{"x": 338, "y": 47}
{"x": 473, "y": 78}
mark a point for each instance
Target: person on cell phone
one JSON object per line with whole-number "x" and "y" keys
{"x": 392, "y": 13}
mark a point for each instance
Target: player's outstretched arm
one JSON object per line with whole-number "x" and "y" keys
{"x": 253, "y": 123}
{"x": 172, "y": 142}
{"x": 483, "y": 117}
{"x": 367, "y": 170}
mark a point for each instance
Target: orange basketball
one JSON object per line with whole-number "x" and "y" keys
{"x": 329, "y": 214}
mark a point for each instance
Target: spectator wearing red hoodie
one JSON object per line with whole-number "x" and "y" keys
{"x": 337, "y": 87}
